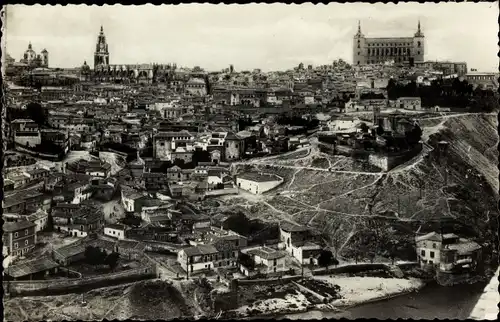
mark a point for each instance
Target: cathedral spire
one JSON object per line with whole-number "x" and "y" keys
{"x": 419, "y": 32}
{"x": 102, "y": 30}
{"x": 359, "y": 34}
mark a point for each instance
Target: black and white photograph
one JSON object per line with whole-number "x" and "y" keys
{"x": 257, "y": 161}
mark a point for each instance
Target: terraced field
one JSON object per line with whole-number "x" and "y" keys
{"x": 325, "y": 191}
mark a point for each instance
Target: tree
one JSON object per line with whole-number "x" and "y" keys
{"x": 36, "y": 113}
{"x": 94, "y": 256}
{"x": 325, "y": 258}
{"x": 131, "y": 220}
{"x": 50, "y": 223}
{"x": 112, "y": 260}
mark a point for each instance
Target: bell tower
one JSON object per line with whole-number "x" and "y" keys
{"x": 418, "y": 45}
{"x": 358, "y": 49}
{"x": 101, "y": 54}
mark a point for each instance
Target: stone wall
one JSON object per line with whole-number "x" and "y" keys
{"x": 269, "y": 281}
{"x": 64, "y": 286}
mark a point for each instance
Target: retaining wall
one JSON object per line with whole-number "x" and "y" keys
{"x": 64, "y": 286}
{"x": 355, "y": 268}
{"x": 221, "y": 192}
{"x": 269, "y": 281}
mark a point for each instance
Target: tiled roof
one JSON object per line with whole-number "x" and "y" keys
{"x": 70, "y": 250}
{"x": 16, "y": 226}
{"x": 267, "y": 253}
{"x": 31, "y": 267}
{"x": 258, "y": 177}
{"x": 200, "y": 250}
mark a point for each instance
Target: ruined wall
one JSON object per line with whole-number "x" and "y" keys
{"x": 380, "y": 161}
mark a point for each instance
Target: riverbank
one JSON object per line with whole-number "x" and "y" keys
{"x": 487, "y": 305}
{"x": 430, "y": 302}
{"x": 360, "y": 290}
{"x": 353, "y": 290}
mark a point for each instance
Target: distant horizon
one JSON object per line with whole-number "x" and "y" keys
{"x": 272, "y": 37}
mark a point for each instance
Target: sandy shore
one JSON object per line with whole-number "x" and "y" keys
{"x": 354, "y": 291}
{"x": 359, "y": 290}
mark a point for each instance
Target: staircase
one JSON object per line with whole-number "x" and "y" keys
{"x": 396, "y": 271}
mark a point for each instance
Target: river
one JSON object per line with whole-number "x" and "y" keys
{"x": 433, "y": 301}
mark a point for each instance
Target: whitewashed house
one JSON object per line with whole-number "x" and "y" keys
{"x": 257, "y": 183}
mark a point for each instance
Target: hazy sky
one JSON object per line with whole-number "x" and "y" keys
{"x": 269, "y": 37}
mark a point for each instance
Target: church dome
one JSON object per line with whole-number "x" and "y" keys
{"x": 85, "y": 67}
{"x": 30, "y": 53}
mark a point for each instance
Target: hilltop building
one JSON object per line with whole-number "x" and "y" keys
{"x": 379, "y": 50}
{"x": 104, "y": 71}
{"x": 32, "y": 59}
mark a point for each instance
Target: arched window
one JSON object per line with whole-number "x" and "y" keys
{"x": 419, "y": 44}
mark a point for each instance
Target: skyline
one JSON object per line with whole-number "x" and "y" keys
{"x": 269, "y": 37}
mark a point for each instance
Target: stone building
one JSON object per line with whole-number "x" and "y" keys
{"x": 104, "y": 71}
{"x": 379, "y": 50}
{"x": 32, "y": 59}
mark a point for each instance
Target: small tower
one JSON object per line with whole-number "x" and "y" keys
{"x": 45, "y": 58}
{"x": 418, "y": 45}
{"x": 358, "y": 47}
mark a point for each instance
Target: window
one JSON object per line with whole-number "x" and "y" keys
{"x": 434, "y": 245}
{"x": 422, "y": 252}
{"x": 432, "y": 254}
{"x": 274, "y": 262}
{"x": 26, "y": 242}
{"x": 16, "y": 245}
{"x": 16, "y": 234}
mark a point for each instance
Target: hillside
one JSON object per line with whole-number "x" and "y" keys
{"x": 353, "y": 198}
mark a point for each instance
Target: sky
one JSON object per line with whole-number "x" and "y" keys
{"x": 265, "y": 36}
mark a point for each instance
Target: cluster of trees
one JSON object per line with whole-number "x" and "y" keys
{"x": 380, "y": 239}
{"x": 371, "y": 96}
{"x": 447, "y": 93}
{"x": 95, "y": 256}
{"x": 244, "y": 123}
{"x": 131, "y": 220}
{"x": 297, "y": 121}
{"x": 256, "y": 230}
{"x": 33, "y": 111}
{"x": 198, "y": 156}
{"x": 412, "y": 137}
{"x": 326, "y": 258}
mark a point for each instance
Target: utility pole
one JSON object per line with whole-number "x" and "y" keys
{"x": 399, "y": 204}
